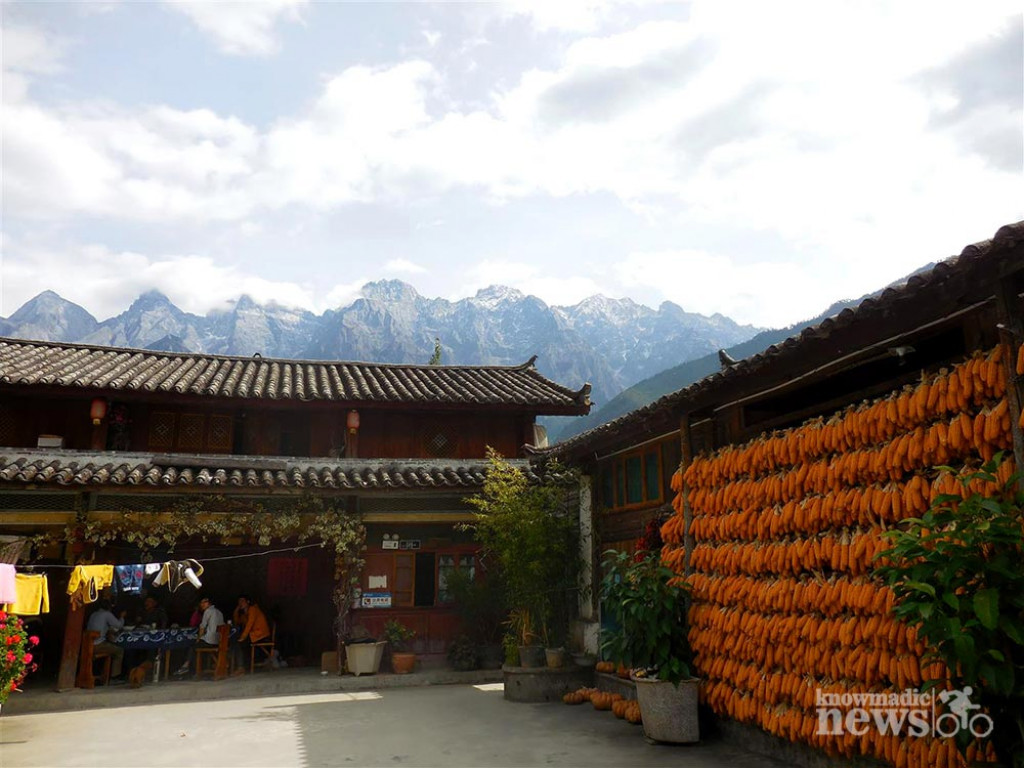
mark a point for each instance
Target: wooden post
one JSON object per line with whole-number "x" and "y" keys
{"x": 1011, "y": 336}
{"x": 71, "y": 649}
{"x": 686, "y": 451}
{"x": 221, "y": 670}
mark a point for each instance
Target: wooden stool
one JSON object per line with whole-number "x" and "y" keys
{"x": 266, "y": 647}
{"x": 86, "y": 678}
{"x": 220, "y": 655}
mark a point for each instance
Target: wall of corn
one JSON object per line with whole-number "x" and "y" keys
{"x": 785, "y": 528}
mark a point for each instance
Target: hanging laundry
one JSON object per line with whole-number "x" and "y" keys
{"x": 128, "y": 578}
{"x": 87, "y": 580}
{"x": 33, "y": 595}
{"x": 174, "y": 573}
{"x": 152, "y": 568}
{"x": 8, "y": 593}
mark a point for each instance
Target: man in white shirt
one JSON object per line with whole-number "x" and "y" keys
{"x": 208, "y": 635}
{"x": 103, "y": 621}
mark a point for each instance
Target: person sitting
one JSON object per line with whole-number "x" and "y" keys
{"x": 105, "y": 622}
{"x": 153, "y": 614}
{"x": 254, "y": 627}
{"x": 208, "y": 636}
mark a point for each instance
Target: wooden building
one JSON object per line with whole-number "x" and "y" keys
{"x": 88, "y": 433}
{"x": 786, "y": 463}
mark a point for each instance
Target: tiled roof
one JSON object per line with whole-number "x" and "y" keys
{"x": 65, "y": 468}
{"x": 956, "y": 271}
{"x": 108, "y": 368}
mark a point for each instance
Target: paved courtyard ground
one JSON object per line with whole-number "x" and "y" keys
{"x": 450, "y": 726}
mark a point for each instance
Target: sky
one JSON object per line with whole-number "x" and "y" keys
{"x": 760, "y": 160}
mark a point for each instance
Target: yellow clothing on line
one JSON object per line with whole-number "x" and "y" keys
{"x": 33, "y": 595}
{"x": 90, "y": 579}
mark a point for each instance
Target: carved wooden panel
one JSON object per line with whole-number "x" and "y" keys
{"x": 219, "y": 434}
{"x": 191, "y": 428}
{"x": 161, "y": 430}
{"x": 8, "y": 426}
{"x": 439, "y": 438}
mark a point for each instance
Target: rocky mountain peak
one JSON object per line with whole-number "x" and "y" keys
{"x": 611, "y": 343}
{"x": 494, "y": 296}
{"x": 49, "y": 317}
{"x": 150, "y": 300}
{"x": 389, "y": 291}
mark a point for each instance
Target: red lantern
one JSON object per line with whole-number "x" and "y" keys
{"x": 98, "y": 410}
{"x": 352, "y": 421}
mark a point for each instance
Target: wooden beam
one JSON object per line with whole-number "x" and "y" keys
{"x": 1011, "y": 336}
{"x": 32, "y": 517}
{"x": 418, "y": 517}
{"x": 71, "y": 648}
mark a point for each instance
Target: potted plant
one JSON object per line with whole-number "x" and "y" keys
{"x": 523, "y": 527}
{"x": 648, "y": 604}
{"x": 957, "y": 578}
{"x": 398, "y": 636}
{"x": 530, "y": 652}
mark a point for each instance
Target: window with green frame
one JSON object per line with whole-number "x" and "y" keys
{"x": 632, "y": 479}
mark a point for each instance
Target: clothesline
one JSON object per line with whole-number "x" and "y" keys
{"x": 25, "y": 592}
{"x": 204, "y": 559}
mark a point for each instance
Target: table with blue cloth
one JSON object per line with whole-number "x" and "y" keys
{"x": 162, "y": 641}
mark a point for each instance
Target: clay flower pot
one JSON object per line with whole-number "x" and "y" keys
{"x": 403, "y": 663}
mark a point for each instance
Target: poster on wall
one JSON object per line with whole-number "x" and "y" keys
{"x": 376, "y": 600}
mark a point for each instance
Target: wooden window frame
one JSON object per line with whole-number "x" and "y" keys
{"x": 620, "y": 488}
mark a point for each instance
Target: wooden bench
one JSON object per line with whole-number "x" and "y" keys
{"x": 86, "y": 678}
{"x": 219, "y": 670}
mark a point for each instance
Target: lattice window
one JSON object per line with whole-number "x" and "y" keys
{"x": 161, "y": 429}
{"x": 48, "y": 502}
{"x": 8, "y": 427}
{"x": 190, "y": 431}
{"x": 439, "y": 439}
{"x": 219, "y": 434}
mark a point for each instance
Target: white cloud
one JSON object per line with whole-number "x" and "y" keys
{"x": 244, "y": 28}
{"x": 27, "y": 51}
{"x": 761, "y": 293}
{"x": 563, "y": 15}
{"x": 817, "y": 134}
{"x": 107, "y": 281}
{"x": 404, "y": 266}
{"x": 342, "y": 294}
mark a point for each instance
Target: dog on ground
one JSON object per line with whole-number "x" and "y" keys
{"x": 138, "y": 674}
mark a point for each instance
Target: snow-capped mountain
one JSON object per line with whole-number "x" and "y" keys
{"x": 612, "y": 343}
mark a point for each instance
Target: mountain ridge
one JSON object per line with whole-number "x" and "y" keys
{"x": 610, "y": 343}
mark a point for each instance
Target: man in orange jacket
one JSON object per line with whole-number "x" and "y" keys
{"x": 254, "y": 628}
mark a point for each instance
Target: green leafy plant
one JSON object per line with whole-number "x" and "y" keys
{"x": 398, "y": 635}
{"x": 648, "y": 604}
{"x": 462, "y": 654}
{"x": 479, "y": 599}
{"x": 523, "y": 527}
{"x": 957, "y": 575}
{"x": 15, "y": 658}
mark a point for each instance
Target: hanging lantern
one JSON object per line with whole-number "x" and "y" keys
{"x": 352, "y": 421}
{"x": 98, "y": 410}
